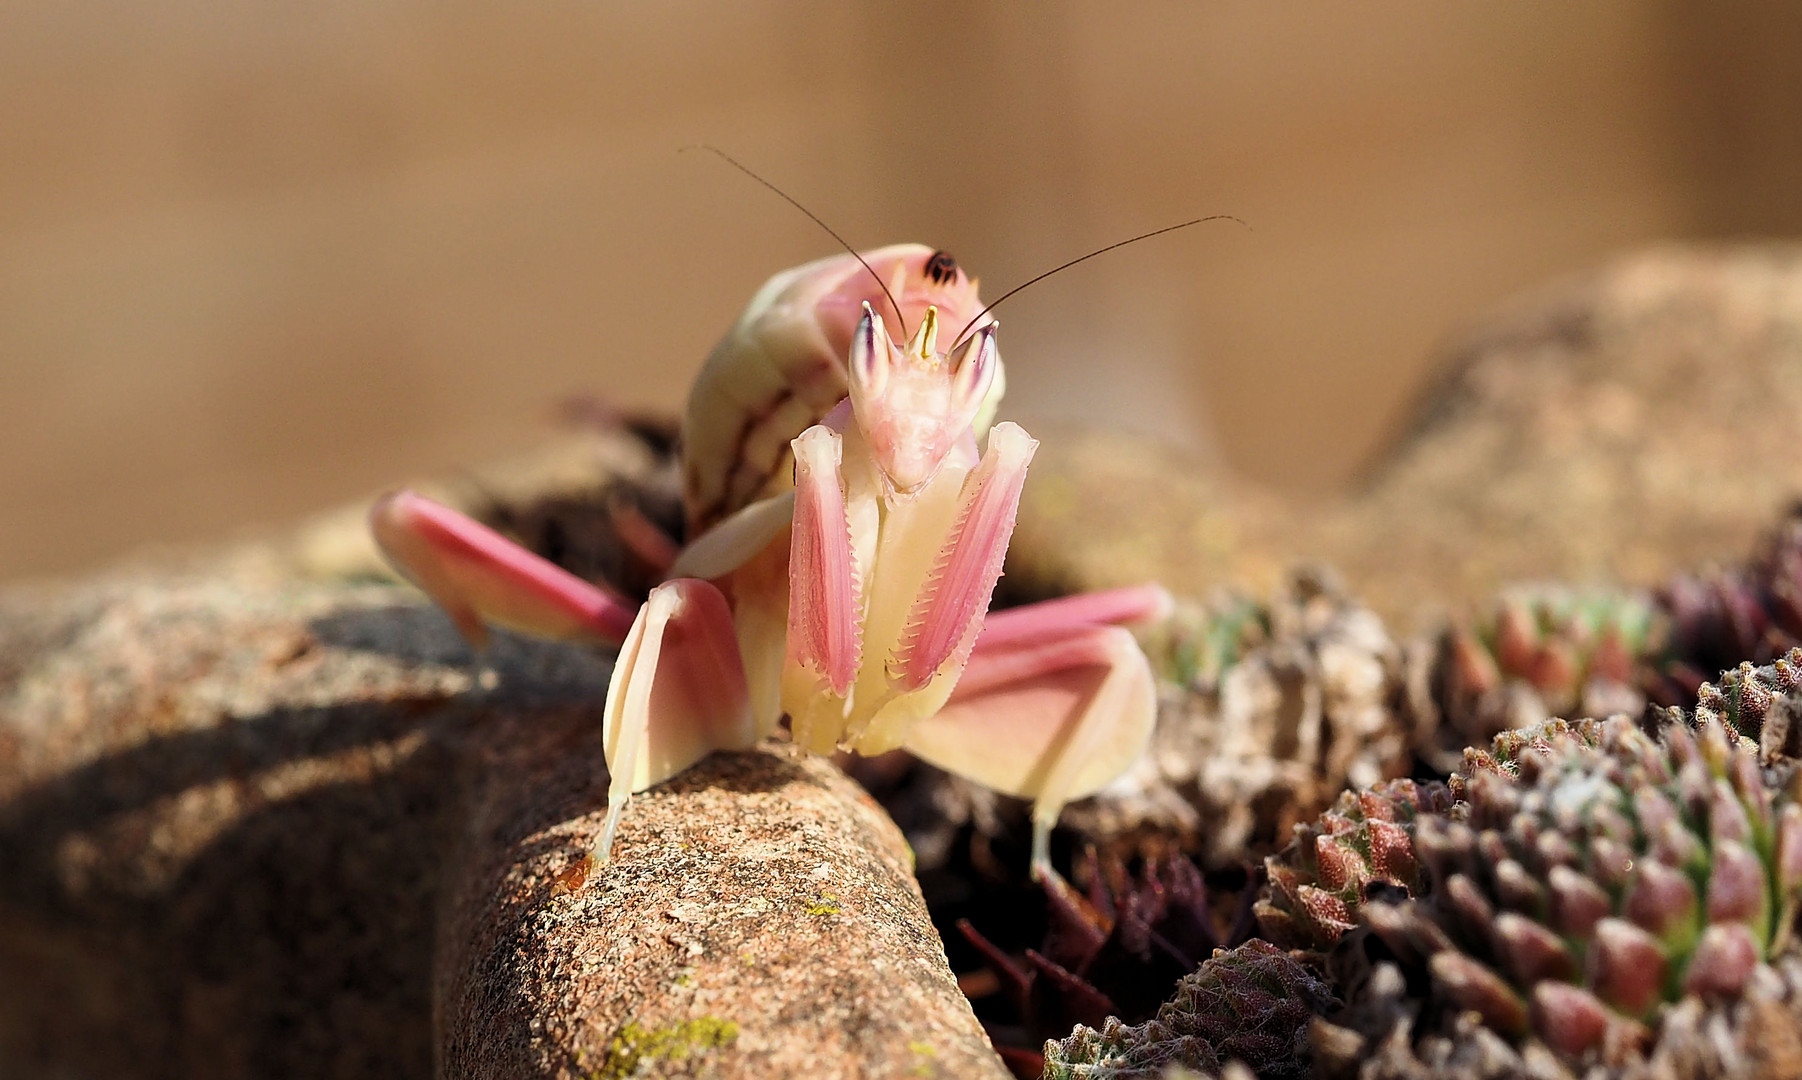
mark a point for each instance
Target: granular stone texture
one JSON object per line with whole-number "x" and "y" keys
{"x": 1621, "y": 426}
{"x": 219, "y": 811}
{"x": 758, "y": 918}
{"x": 254, "y": 826}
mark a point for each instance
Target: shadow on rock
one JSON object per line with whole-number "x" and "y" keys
{"x": 260, "y": 897}
{"x": 253, "y": 900}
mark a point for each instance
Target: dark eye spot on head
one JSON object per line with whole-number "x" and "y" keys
{"x": 941, "y": 267}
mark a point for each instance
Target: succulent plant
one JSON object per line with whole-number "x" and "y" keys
{"x": 1364, "y": 840}
{"x": 1549, "y": 650}
{"x": 1252, "y": 1004}
{"x": 1599, "y": 876}
{"x": 1757, "y": 1037}
{"x": 1760, "y": 704}
{"x": 1721, "y": 618}
{"x": 1539, "y": 652}
{"x": 1503, "y": 755}
{"x": 1201, "y": 639}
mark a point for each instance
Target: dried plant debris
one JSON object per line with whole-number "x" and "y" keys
{"x": 1267, "y": 712}
{"x": 1603, "y": 903}
{"x": 1116, "y": 949}
{"x": 1270, "y": 710}
{"x": 953, "y": 825}
{"x": 1284, "y": 708}
{"x": 1252, "y": 1004}
{"x": 1364, "y": 842}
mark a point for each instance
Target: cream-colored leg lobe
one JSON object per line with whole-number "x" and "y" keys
{"x": 677, "y": 694}
{"x": 747, "y": 556}
{"x": 734, "y": 541}
{"x": 758, "y": 591}
{"x": 1050, "y": 718}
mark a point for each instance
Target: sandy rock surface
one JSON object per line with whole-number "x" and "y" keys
{"x": 255, "y": 826}
{"x": 759, "y": 917}
{"x": 1619, "y": 426}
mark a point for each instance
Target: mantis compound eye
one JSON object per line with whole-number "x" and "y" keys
{"x": 940, "y": 268}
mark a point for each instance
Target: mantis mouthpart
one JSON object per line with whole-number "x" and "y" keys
{"x": 847, "y": 538}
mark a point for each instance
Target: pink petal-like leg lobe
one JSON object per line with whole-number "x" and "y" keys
{"x": 479, "y": 577}
{"x": 825, "y": 611}
{"x": 1050, "y": 718}
{"x": 948, "y": 614}
{"x": 746, "y": 555}
{"x": 677, "y": 694}
{"x": 1107, "y": 607}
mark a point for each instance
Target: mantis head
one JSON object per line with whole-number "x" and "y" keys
{"x": 914, "y": 403}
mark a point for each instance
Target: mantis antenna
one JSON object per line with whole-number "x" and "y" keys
{"x": 992, "y": 305}
{"x": 1099, "y": 251}
{"x": 811, "y": 216}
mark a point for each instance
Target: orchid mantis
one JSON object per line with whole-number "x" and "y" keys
{"x": 847, "y": 535}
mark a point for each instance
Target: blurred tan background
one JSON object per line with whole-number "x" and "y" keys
{"x": 257, "y": 259}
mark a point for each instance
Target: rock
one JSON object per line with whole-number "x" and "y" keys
{"x": 253, "y": 825}
{"x": 1620, "y": 426}
{"x": 221, "y": 808}
{"x": 760, "y": 912}
{"x": 1104, "y": 508}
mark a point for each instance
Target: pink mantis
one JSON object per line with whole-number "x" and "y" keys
{"x": 847, "y": 537}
